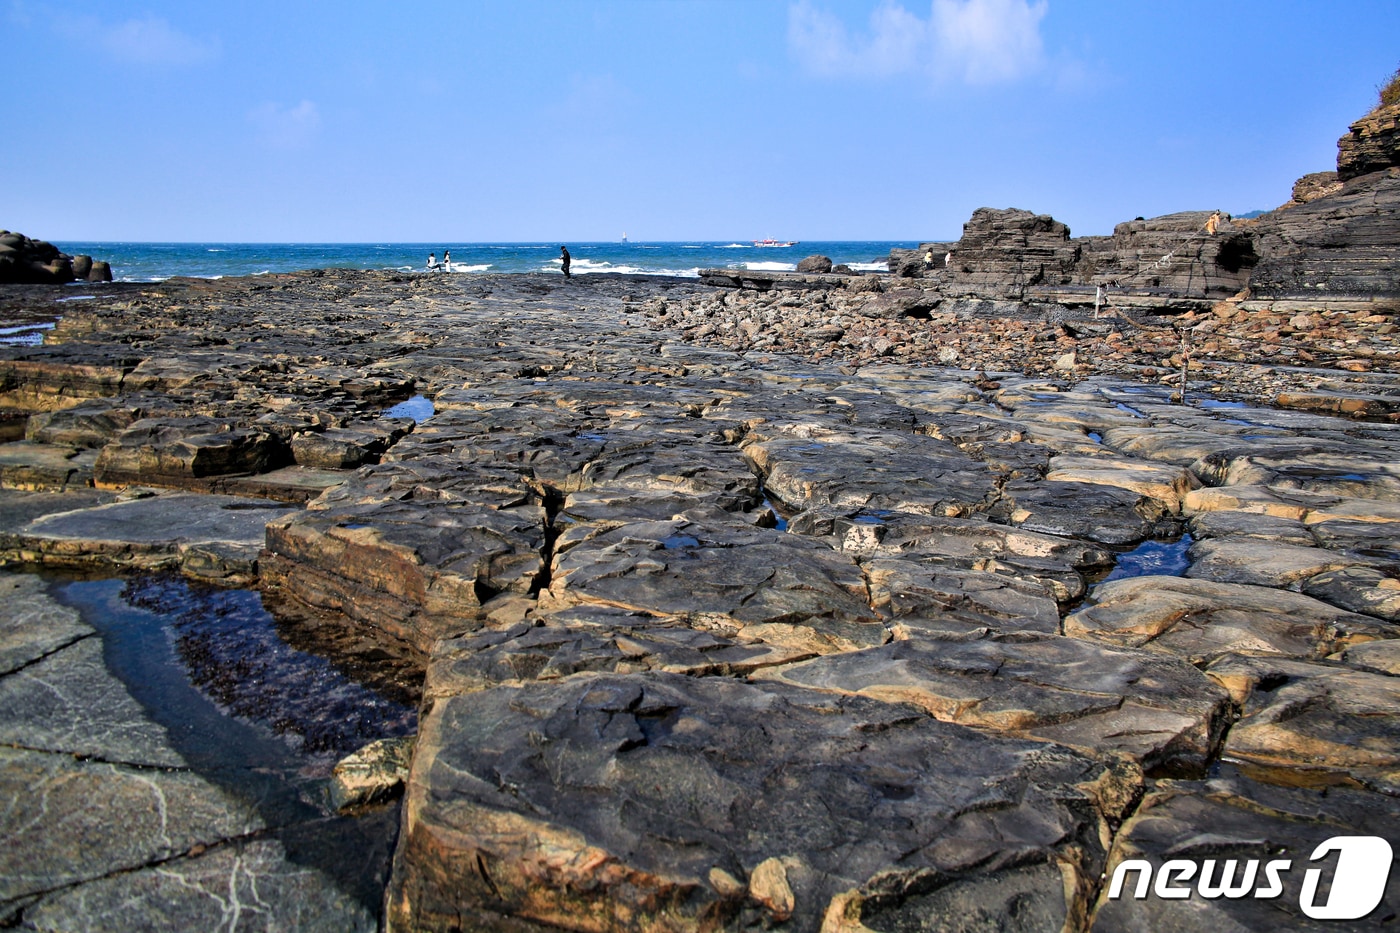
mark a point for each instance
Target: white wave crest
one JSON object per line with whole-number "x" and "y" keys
{"x": 870, "y": 266}
{"x": 769, "y": 266}
{"x": 459, "y": 267}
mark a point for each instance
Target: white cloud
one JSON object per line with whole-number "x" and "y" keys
{"x": 148, "y": 40}
{"x": 285, "y": 127}
{"x": 153, "y": 41}
{"x": 973, "y": 41}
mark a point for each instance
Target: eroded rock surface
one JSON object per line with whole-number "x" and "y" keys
{"x": 659, "y": 801}
{"x": 720, "y": 639}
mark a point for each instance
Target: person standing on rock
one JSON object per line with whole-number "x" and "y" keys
{"x": 447, "y": 260}
{"x": 564, "y": 257}
{"x": 1213, "y": 224}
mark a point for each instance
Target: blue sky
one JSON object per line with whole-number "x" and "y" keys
{"x": 665, "y": 119}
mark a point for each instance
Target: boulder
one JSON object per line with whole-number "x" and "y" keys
{"x": 815, "y": 264}
{"x": 371, "y": 775}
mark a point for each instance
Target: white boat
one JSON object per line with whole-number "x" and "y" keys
{"x": 772, "y": 242}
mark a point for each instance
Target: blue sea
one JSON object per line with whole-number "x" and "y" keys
{"x": 154, "y": 262}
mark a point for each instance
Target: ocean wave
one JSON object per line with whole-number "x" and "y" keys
{"x": 870, "y": 266}
{"x": 459, "y": 267}
{"x": 769, "y": 266}
{"x": 735, "y": 246}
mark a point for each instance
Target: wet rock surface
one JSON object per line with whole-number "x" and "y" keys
{"x": 108, "y": 818}
{"x": 714, "y": 636}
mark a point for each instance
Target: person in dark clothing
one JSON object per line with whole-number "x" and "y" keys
{"x": 564, "y": 254}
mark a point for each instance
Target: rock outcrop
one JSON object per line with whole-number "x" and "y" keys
{"x": 1003, "y": 252}
{"x": 1371, "y": 145}
{"x": 1336, "y": 247}
{"x": 25, "y": 260}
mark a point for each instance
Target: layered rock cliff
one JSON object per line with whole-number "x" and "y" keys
{"x": 1336, "y": 241}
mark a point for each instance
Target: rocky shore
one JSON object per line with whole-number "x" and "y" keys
{"x": 819, "y": 602}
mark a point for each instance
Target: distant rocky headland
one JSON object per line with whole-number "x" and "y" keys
{"x": 967, "y": 597}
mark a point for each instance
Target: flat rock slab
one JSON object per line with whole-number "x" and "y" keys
{"x": 1321, "y": 721}
{"x": 896, "y": 534}
{"x": 594, "y": 639}
{"x": 1253, "y": 525}
{"x": 1165, "y": 484}
{"x": 657, "y": 801}
{"x": 187, "y": 453}
{"x": 1261, "y": 563}
{"x": 293, "y": 484}
{"x": 904, "y": 473}
{"x": 245, "y": 885}
{"x": 1103, "y": 513}
{"x": 33, "y": 626}
{"x": 1160, "y": 710}
{"x": 79, "y": 820}
{"x": 1200, "y": 620}
{"x": 68, "y": 702}
{"x": 1358, "y": 589}
{"x": 920, "y": 595}
{"x": 1223, "y": 824}
{"x": 216, "y": 535}
{"x": 778, "y": 588}
{"x": 1310, "y": 508}
{"x": 44, "y": 467}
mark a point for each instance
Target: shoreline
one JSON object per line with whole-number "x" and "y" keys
{"x": 1229, "y": 347}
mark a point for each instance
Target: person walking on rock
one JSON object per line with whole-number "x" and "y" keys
{"x": 564, "y": 257}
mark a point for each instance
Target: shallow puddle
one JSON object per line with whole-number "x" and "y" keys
{"x": 251, "y": 714}
{"x": 1153, "y": 558}
{"x": 420, "y": 408}
{"x": 210, "y": 665}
